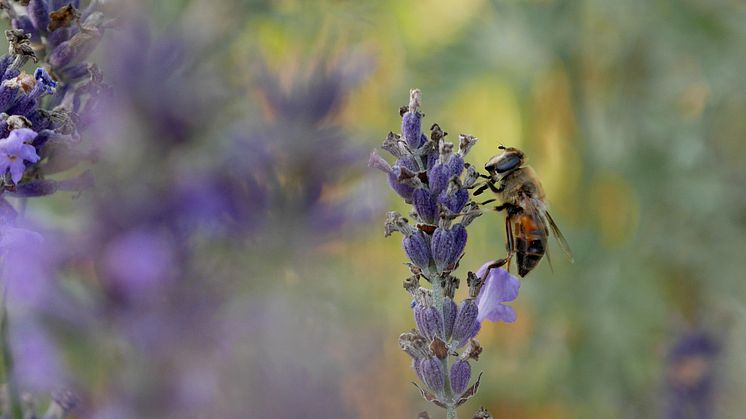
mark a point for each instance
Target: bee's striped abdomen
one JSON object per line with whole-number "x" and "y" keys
{"x": 530, "y": 243}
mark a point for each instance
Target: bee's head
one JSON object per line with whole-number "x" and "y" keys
{"x": 510, "y": 159}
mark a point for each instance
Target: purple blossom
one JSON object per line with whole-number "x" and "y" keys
{"x": 14, "y": 150}
{"x": 499, "y": 287}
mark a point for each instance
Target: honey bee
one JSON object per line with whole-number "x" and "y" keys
{"x": 527, "y": 221}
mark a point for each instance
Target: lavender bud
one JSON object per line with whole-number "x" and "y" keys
{"x": 432, "y": 372}
{"x": 404, "y": 190}
{"x": 24, "y": 23}
{"x": 411, "y": 128}
{"x": 417, "y": 248}
{"x": 447, "y": 246}
{"x": 425, "y": 204}
{"x": 5, "y": 62}
{"x": 455, "y": 197}
{"x": 466, "y": 325}
{"x": 62, "y": 55}
{"x": 429, "y": 322}
{"x": 449, "y": 316}
{"x": 460, "y": 376}
{"x": 57, "y": 37}
{"x": 38, "y": 11}
{"x": 8, "y": 93}
{"x": 442, "y": 247}
{"x": 455, "y": 165}
{"x": 459, "y": 243}
{"x": 438, "y": 178}
{"x": 34, "y": 188}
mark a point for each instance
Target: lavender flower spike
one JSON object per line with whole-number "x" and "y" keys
{"x": 14, "y": 150}
{"x": 499, "y": 287}
{"x": 431, "y": 178}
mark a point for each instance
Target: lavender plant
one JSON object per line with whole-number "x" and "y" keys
{"x": 434, "y": 178}
{"x": 42, "y": 114}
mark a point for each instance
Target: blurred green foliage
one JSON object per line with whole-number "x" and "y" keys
{"x": 631, "y": 112}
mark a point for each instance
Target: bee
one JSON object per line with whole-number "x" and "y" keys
{"x": 527, "y": 221}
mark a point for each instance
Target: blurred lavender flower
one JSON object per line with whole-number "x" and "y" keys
{"x": 433, "y": 177}
{"x": 690, "y": 377}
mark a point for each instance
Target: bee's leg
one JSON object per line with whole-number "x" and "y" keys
{"x": 494, "y": 265}
{"x": 510, "y": 247}
{"x": 481, "y": 189}
{"x": 487, "y": 202}
{"x": 511, "y": 239}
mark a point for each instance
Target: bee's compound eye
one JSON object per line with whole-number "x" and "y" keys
{"x": 507, "y": 163}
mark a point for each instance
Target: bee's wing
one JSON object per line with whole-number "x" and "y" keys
{"x": 537, "y": 210}
{"x": 549, "y": 259}
{"x": 558, "y": 235}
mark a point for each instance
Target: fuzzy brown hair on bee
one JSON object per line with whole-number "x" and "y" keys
{"x": 527, "y": 221}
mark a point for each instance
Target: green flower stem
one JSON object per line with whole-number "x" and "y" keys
{"x": 438, "y": 301}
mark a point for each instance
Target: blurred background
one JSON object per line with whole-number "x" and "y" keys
{"x": 230, "y": 261}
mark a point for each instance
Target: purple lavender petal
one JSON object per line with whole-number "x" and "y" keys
{"x": 500, "y": 286}
{"x": 496, "y": 312}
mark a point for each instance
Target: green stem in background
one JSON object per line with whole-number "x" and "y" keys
{"x": 14, "y": 398}
{"x": 439, "y": 301}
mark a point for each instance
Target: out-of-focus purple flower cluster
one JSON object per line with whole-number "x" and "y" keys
{"x": 434, "y": 178}
{"x": 690, "y": 377}
{"x": 186, "y": 198}
{"x": 42, "y": 114}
